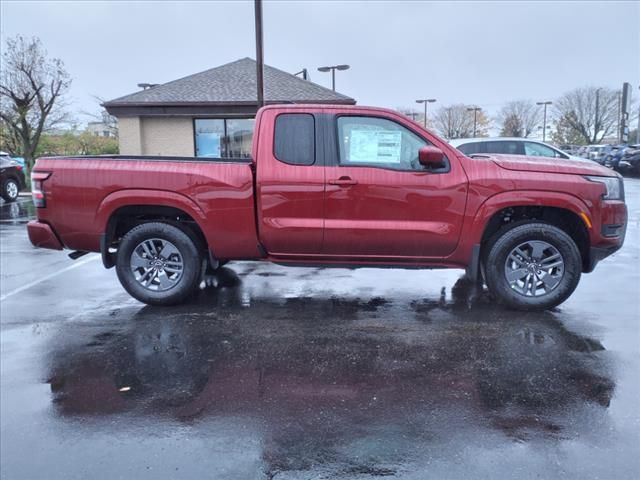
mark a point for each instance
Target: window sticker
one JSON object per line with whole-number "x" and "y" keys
{"x": 375, "y": 146}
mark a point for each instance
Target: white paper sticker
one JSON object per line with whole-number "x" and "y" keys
{"x": 375, "y": 146}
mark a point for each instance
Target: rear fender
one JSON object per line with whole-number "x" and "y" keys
{"x": 161, "y": 198}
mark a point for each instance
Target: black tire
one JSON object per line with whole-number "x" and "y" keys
{"x": 506, "y": 240}
{"x": 10, "y": 190}
{"x": 188, "y": 253}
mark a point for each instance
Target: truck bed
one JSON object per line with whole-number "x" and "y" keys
{"x": 83, "y": 192}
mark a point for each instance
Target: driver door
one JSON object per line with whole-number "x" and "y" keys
{"x": 381, "y": 202}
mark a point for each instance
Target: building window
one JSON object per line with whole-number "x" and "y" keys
{"x": 209, "y": 137}
{"x": 224, "y": 137}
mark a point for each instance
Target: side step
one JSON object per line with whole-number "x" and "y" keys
{"x": 77, "y": 254}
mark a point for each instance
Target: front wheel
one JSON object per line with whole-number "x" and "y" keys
{"x": 10, "y": 190}
{"x": 158, "y": 264}
{"x": 533, "y": 266}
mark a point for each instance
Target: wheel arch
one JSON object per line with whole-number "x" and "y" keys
{"x": 123, "y": 210}
{"x": 566, "y": 219}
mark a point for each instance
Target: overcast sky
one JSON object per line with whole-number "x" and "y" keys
{"x": 478, "y": 52}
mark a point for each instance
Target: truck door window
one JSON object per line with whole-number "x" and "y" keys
{"x": 378, "y": 142}
{"x": 294, "y": 141}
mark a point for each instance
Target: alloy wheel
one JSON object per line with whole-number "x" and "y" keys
{"x": 534, "y": 268}
{"x": 12, "y": 189}
{"x": 156, "y": 264}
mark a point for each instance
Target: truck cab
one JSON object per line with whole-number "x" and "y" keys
{"x": 348, "y": 185}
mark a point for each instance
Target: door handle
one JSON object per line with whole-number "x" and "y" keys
{"x": 343, "y": 182}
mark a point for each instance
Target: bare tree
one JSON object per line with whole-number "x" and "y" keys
{"x": 590, "y": 112}
{"x": 109, "y": 121}
{"x": 9, "y": 142}
{"x": 31, "y": 87}
{"x": 519, "y": 118}
{"x": 456, "y": 121}
{"x": 565, "y": 134}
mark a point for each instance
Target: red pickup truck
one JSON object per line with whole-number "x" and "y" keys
{"x": 335, "y": 186}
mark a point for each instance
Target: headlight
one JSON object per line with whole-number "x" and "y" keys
{"x": 613, "y": 185}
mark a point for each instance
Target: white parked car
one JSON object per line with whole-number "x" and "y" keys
{"x": 596, "y": 152}
{"x": 509, "y": 146}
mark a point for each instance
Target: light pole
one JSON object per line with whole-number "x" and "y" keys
{"x": 596, "y": 126}
{"x": 475, "y": 111}
{"x": 412, "y": 115}
{"x": 333, "y": 69}
{"x": 304, "y": 73}
{"x": 426, "y": 102}
{"x": 544, "y": 119}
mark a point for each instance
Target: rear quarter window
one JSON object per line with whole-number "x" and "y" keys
{"x": 294, "y": 141}
{"x": 506, "y": 147}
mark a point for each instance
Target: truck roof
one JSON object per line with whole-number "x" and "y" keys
{"x": 323, "y": 106}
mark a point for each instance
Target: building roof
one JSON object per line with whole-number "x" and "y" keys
{"x": 232, "y": 83}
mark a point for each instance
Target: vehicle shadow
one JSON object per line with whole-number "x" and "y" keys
{"x": 319, "y": 375}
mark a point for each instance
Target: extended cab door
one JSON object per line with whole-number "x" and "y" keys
{"x": 289, "y": 183}
{"x": 380, "y": 201}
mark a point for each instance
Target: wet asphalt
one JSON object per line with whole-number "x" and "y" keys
{"x": 282, "y": 373}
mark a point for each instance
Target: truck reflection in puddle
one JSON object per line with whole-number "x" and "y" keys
{"x": 336, "y": 380}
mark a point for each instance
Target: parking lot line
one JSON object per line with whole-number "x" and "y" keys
{"x": 48, "y": 277}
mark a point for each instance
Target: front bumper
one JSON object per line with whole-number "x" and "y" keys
{"x": 599, "y": 253}
{"x": 610, "y": 237}
{"x": 43, "y": 236}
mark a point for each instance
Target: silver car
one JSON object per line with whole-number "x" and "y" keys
{"x": 509, "y": 146}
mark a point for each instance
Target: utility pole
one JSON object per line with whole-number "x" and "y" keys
{"x": 259, "y": 53}
{"x": 624, "y": 101}
{"x": 619, "y": 123}
{"x": 638, "y": 127}
{"x": 426, "y": 101}
{"x": 596, "y": 126}
{"x": 475, "y": 111}
{"x": 544, "y": 119}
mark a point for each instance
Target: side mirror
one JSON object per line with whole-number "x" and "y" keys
{"x": 430, "y": 156}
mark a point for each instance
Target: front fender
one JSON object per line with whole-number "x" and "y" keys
{"x": 526, "y": 198}
{"x": 478, "y": 220}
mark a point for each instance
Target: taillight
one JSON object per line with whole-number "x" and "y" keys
{"x": 37, "y": 192}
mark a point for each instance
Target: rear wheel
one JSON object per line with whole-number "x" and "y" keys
{"x": 10, "y": 190}
{"x": 533, "y": 266}
{"x": 158, "y": 264}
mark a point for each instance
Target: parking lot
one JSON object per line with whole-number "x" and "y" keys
{"x": 314, "y": 373}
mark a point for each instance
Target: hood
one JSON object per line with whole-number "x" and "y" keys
{"x": 578, "y": 166}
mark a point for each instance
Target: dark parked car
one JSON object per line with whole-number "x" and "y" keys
{"x": 611, "y": 155}
{"x": 630, "y": 161}
{"x": 11, "y": 178}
